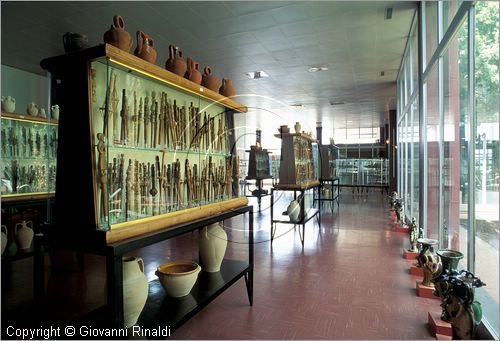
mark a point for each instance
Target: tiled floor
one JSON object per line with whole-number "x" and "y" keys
{"x": 349, "y": 281}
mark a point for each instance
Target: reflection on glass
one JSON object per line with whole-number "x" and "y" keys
{"x": 487, "y": 160}
{"x": 432, "y": 155}
{"x": 431, "y": 33}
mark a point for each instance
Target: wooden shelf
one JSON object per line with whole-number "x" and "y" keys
{"x": 29, "y": 118}
{"x": 291, "y": 187}
{"x": 26, "y": 196}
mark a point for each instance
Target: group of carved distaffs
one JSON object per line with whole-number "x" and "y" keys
{"x": 304, "y": 169}
{"x": 29, "y": 179}
{"x": 27, "y": 144}
{"x": 455, "y": 288}
{"x": 156, "y": 121}
{"x": 141, "y": 189}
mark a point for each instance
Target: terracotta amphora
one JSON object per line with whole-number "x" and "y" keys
{"x": 210, "y": 81}
{"x": 117, "y": 35}
{"x": 193, "y": 72}
{"x": 145, "y": 47}
{"x": 175, "y": 63}
{"x": 227, "y": 88}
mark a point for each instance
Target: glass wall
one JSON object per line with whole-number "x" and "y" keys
{"x": 486, "y": 156}
{"x": 458, "y": 202}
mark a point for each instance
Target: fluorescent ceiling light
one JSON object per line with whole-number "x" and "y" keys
{"x": 318, "y": 68}
{"x": 256, "y": 74}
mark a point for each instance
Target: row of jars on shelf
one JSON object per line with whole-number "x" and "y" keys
{"x": 32, "y": 109}
{"x": 189, "y": 69}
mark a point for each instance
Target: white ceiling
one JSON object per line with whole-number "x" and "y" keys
{"x": 283, "y": 38}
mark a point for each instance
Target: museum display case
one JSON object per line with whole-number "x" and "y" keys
{"x": 29, "y": 148}
{"x": 144, "y": 156}
{"x": 297, "y": 161}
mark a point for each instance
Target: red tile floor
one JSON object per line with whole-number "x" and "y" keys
{"x": 349, "y": 281}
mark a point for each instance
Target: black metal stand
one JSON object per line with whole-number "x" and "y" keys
{"x": 304, "y": 218}
{"x": 334, "y": 184}
{"x": 259, "y": 183}
{"x": 160, "y": 310}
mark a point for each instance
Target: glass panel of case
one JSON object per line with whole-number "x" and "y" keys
{"x": 28, "y": 152}
{"x": 158, "y": 149}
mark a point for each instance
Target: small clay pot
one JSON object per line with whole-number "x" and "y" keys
{"x": 227, "y": 88}
{"x": 145, "y": 47}
{"x": 175, "y": 63}
{"x": 193, "y": 73}
{"x": 209, "y": 81}
{"x": 117, "y": 36}
{"x": 178, "y": 277}
{"x": 75, "y": 42}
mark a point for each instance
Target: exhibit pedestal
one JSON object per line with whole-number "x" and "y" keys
{"x": 407, "y": 254}
{"x": 425, "y": 291}
{"x": 398, "y": 228}
{"x": 416, "y": 271}
{"x": 438, "y": 326}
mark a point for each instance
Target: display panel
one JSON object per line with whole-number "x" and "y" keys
{"x": 158, "y": 149}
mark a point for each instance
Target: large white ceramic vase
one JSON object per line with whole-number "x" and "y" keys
{"x": 293, "y": 211}
{"x": 4, "y": 234}
{"x": 135, "y": 289}
{"x": 24, "y": 234}
{"x": 212, "y": 244}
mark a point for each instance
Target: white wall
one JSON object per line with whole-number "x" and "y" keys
{"x": 25, "y": 87}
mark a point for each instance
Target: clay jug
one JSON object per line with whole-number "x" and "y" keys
{"x": 41, "y": 113}
{"x": 193, "y": 72}
{"x": 209, "y": 81}
{"x": 212, "y": 246}
{"x": 293, "y": 211}
{"x": 135, "y": 289}
{"x": 54, "y": 113}
{"x": 117, "y": 35}
{"x": 4, "y": 236}
{"x": 24, "y": 234}
{"x": 227, "y": 88}
{"x": 8, "y": 104}
{"x": 32, "y": 109}
{"x": 175, "y": 63}
{"x": 297, "y": 127}
{"x": 75, "y": 42}
{"x": 145, "y": 47}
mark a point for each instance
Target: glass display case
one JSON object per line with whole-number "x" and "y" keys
{"x": 28, "y": 149}
{"x": 362, "y": 172}
{"x": 297, "y": 165}
{"x": 259, "y": 165}
{"x": 151, "y": 143}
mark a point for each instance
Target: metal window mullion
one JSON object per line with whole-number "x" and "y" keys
{"x": 422, "y": 99}
{"x": 471, "y": 249}
{"x": 440, "y": 228}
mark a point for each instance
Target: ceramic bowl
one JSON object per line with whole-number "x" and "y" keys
{"x": 178, "y": 277}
